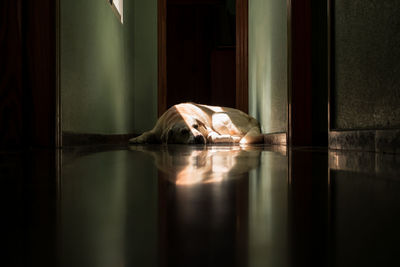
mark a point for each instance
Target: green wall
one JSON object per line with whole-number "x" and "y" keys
{"x": 144, "y": 43}
{"x": 108, "y": 69}
{"x": 268, "y": 64}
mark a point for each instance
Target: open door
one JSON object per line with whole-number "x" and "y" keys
{"x": 202, "y": 53}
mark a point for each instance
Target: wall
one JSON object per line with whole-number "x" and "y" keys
{"x": 108, "y": 69}
{"x": 144, "y": 43}
{"x": 366, "y": 92}
{"x": 268, "y": 64}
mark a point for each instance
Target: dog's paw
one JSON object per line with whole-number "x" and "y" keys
{"x": 137, "y": 140}
{"x": 236, "y": 139}
{"x": 215, "y": 138}
{"x": 134, "y": 140}
{"x": 145, "y": 138}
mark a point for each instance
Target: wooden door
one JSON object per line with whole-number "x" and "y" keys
{"x": 200, "y": 60}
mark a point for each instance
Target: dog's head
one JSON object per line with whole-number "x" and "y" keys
{"x": 184, "y": 132}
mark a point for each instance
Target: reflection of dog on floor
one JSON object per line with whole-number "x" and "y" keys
{"x": 183, "y": 165}
{"x": 191, "y": 123}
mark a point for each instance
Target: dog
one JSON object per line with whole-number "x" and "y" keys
{"x": 190, "y": 123}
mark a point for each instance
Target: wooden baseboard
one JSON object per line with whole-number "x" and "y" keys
{"x": 84, "y": 139}
{"x": 275, "y": 139}
{"x": 386, "y": 141}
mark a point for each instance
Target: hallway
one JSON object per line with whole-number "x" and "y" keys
{"x": 200, "y": 206}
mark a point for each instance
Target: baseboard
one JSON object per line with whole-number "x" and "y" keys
{"x": 386, "y": 141}
{"x": 275, "y": 139}
{"x": 84, "y": 139}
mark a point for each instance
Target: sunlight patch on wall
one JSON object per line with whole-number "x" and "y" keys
{"x": 118, "y": 6}
{"x": 268, "y": 64}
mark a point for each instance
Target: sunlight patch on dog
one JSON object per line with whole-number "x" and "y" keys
{"x": 182, "y": 112}
{"x": 215, "y": 108}
{"x": 191, "y": 123}
{"x": 224, "y": 124}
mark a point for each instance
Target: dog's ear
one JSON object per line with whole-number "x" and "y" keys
{"x": 203, "y": 128}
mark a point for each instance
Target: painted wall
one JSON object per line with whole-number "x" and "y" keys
{"x": 108, "y": 69}
{"x": 144, "y": 43}
{"x": 268, "y": 64}
{"x": 366, "y": 93}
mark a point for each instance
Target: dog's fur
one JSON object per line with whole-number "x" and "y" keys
{"x": 191, "y": 123}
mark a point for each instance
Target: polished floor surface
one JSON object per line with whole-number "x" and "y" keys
{"x": 199, "y": 206}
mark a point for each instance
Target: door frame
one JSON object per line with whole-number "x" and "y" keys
{"x": 242, "y": 86}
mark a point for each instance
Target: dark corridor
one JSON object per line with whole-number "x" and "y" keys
{"x": 201, "y": 52}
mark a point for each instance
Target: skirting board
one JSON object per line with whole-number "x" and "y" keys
{"x": 275, "y": 139}
{"x": 386, "y": 141}
{"x": 83, "y": 139}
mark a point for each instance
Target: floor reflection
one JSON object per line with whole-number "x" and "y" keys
{"x": 200, "y": 206}
{"x": 203, "y": 199}
{"x": 365, "y": 209}
{"x": 190, "y": 165}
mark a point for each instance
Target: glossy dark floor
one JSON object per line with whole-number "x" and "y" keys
{"x": 200, "y": 206}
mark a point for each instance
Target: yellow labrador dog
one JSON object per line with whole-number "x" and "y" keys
{"x": 191, "y": 123}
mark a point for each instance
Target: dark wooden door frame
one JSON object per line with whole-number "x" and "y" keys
{"x": 289, "y": 73}
{"x": 162, "y": 56}
{"x": 58, "y": 120}
{"x": 241, "y": 56}
{"x": 299, "y": 73}
{"x": 28, "y": 74}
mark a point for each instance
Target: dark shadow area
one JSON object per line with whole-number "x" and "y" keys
{"x": 201, "y": 51}
{"x": 198, "y": 205}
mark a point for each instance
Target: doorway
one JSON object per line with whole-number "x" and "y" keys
{"x": 202, "y": 53}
